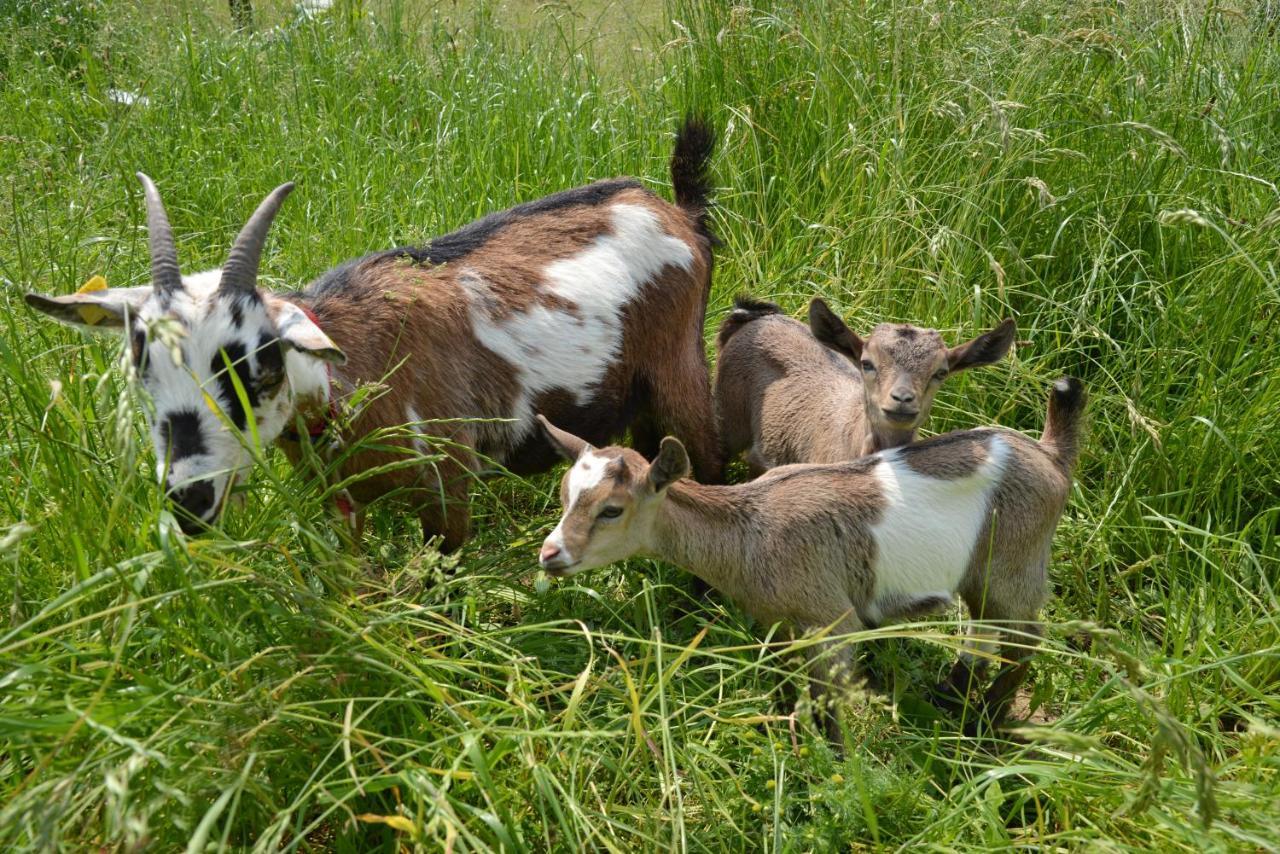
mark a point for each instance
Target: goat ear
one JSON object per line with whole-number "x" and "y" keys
{"x": 830, "y": 330}
{"x": 95, "y": 306}
{"x": 568, "y": 445}
{"x": 300, "y": 332}
{"x": 988, "y": 348}
{"x": 671, "y": 464}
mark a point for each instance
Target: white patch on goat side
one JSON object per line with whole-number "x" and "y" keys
{"x": 926, "y": 538}
{"x": 553, "y": 348}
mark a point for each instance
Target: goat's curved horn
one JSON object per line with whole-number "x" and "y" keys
{"x": 240, "y": 273}
{"x": 165, "y": 275}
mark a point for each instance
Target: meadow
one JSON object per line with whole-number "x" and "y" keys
{"x": 1102, "y": 172}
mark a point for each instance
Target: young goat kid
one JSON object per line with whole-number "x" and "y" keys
{"x": 587, "y": 305}
{"x": 790, "y": 394}
{"x": 849, "y": 545}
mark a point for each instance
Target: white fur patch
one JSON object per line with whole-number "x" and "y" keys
{"x": 586, "y": 474}
{"x": 926, "y": 538}
{"x": 551, "y": 348}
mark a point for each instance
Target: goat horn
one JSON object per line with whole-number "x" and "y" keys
{"x": 240, "y": 273}
{"x": 165, "y": 275}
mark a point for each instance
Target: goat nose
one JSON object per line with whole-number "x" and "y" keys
{"x": 192, "y": 501}
{"x": 550, "y": 551}
{"x": 903, "y": 395}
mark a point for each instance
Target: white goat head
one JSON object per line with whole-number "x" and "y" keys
{"x": 204, "y": 346}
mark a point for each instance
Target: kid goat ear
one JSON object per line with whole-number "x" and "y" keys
{"x": 566, "y": 444}
{"x": 987, "y": 349}
{"x": 671, "y": 464}
{"x": 831, "y": 330}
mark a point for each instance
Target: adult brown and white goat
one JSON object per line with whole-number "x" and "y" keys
{"x": 786, "y": 393}
{"x": 845, "y": 546}
{"x": 587, "y": 305}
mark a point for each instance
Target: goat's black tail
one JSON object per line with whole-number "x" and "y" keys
{"x": 745, "y": 310}
{"x": 1063, "y": 422}
{"x": 691, "y": 170}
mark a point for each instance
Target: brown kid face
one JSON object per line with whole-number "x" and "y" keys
{"x": 903, "y": 366}
{"x": 609, "y": 498}
{"x": 600, "y": 496}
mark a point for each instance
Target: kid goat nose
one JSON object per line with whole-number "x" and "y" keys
{"x": 903, "y": 395}
{"x": 550, "y": 551}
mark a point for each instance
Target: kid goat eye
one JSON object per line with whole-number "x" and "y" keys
{"x": 610, "y": 513}
{"x": 868, "y": 366}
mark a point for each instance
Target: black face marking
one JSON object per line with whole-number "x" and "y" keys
{"x": 226, "y": 386}
{"x": 458, "y": 244}
{"x": 182, "y": 437}
{"x": 238, "y": 302}
{"x": 270, "y": 357}
{"x": 138, "y": 348}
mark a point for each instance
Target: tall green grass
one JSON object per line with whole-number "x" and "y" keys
{"x": 1103, "y": 173}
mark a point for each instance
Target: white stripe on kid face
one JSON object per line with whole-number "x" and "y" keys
{"x": 586, "y": 474}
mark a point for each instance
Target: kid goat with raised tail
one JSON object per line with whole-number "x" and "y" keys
{"x": 587, "y": 305}
{"x": 790, "y": 394}
{"x": 850, "y": 545}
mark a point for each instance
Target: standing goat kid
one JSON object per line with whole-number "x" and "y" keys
{"x": 790, "y": 394}
{"x": 846, "y": 546}
{"x": 587, "y": 305}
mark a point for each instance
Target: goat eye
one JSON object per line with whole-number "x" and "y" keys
{"x": 610, "y": 513}
{"x": 940, "y": 374}
{"x": 868, "y": 366}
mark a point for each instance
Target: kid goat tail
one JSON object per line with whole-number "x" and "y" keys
{"x": 745, "y": 310}
{"x": 691, "y": 170}
{"x": 1062, "y": 424}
